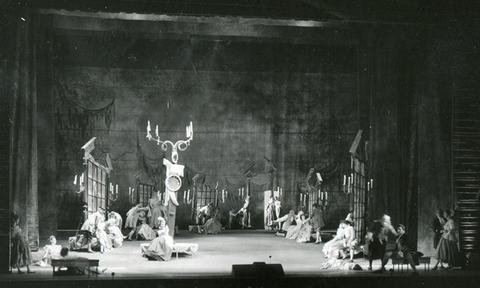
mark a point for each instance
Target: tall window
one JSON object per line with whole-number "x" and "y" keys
{"x": 144, "y": 193}
{"x": 95, "y": 187}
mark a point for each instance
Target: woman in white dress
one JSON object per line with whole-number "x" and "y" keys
{"x": 160, "y": 249}
{"x": 114, "y": 233}
{"x": 294, "y": 230}
{"x": 333, "y": 247}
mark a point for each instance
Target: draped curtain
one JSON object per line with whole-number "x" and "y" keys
{"x": 24, "y": 132}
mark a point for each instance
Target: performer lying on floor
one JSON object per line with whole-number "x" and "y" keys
{"x": 160, "y": 249}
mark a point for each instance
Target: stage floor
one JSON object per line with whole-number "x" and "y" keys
{"x": 214, "y": 259}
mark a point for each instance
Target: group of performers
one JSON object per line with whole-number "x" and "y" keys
{"x": 209, "y": 217}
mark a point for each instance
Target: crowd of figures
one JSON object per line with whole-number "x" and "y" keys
{"x": 383, "y": 241}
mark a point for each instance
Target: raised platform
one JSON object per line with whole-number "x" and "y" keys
{"x": 214, "y": 260}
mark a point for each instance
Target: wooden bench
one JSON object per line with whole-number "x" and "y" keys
{"x": 81, "y": 263}
{"x": 401, "y": 261}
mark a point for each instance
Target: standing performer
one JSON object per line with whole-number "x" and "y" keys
{"x": 438, "y": 223}
{"x": 270, "y": 212}
{"x": 380, "y": 239}
{"x": 155, "y": 211}
{"x": 278, "y": 207}
{"x": 447, "y": 250}
{"x": 232, "y": 220}
{"x": 246, "y": 213}
{"x": 317, "y": 222}
{"x": 90, "y": 226}
{"x": 20, "y": 250}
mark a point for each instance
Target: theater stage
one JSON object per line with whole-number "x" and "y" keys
{"x": 212, "y": 264}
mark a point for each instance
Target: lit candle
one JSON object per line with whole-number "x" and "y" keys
{"x": 239, "y": 192}
{"x": 348, "y": 181}
{"x": 301, "y": 196}
{"x": 368, "y": 186}
{"x": 321, "y": 195}
{"x": 188, "y": 194}
{"x": 371, "y": 183}
{"x": 326, "y": 196}
{"x": 156, "y": 131}
{"x": 75, "y": 180}
{"x": 191, "y": 130}
{"x": 148, "y": 127}
{"x": 188, "y": 131}
{"x": 344, "y": 179}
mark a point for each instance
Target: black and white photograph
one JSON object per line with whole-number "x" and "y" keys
{"x": 239, "y": 143}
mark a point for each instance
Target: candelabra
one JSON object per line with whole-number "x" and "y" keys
{"x": 81, "y": 183}
{"x": 113, "y": 195}
{"x": 181, "y": 145}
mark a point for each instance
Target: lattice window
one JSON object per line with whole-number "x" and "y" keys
{"x": 144, "y": 193}
{"x": 95, "y": 187}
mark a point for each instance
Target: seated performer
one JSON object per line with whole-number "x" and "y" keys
{"x": 294, "y": 230}
{"x": 350, "y": 242}
{"x": 287, "y": 221}
{"x": 132, "y": 219}
{"x": 213, "y": 225}
{"x": 90, "y": 226}
{"x": 114, "y": 233}
{"x": 75, "y": 270}
{"x": 403, "y": 245}
{"x": 160, "y": 249}
{"x": 52, "y": 251}
{"x": 118, "y": 219}
{"x": 334, "y": 247}
{"x": 143, "y": 230}
{"x": 103, "y": 239}
{"x": 305, "y": 231}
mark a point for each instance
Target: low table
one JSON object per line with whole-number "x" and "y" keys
{"x": 83, "y": 263}
{"x": 187, "y": 248}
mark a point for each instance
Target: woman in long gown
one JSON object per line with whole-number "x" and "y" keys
{"x": 305, "y": 232}
{"x": 20, "y": 250}
{"x": 103, "y": 239}
{"x": 154, "y": 210}
{"x": 160, "y": 248}
{"x": 52, "y": 251}
{"x": 144, "y": 231}
{"x": 213, "y": 225}
{"x": 332, "y": 248}
{"x": 447, "y": 250}
{"x": 294, "y": 230}
{"x": 114, "y": 233}
{"x": 317, "y": 222}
